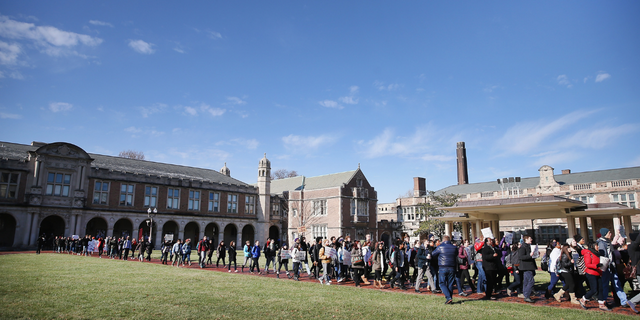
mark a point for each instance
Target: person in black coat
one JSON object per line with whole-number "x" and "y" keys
{"x": 527, "y": 268}
{"x": 490, "y": 260}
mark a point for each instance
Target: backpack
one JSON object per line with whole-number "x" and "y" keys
{"x": 544, "y": 265}
{"x": 582, "y": 267}
{"x": 393, "y": 258}
{"x": 507, "y": 262}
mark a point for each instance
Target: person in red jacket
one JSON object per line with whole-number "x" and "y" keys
{"x": 594, "y": 276}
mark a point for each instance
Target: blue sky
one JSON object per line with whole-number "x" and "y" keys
{"x": 323, "y": 86}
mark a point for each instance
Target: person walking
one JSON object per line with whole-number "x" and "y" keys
{"x": 527, "y": 267}
{"x": 246, "y": 250}
{"x": 357, "y": 263}
{"x": 325, "y": 259}
{"x": 186, "y": 252}
{"x": 177, "y": 253}
{"x": 463, "y": 269}
{"x": 221, "y": 253}
{"x": 255, "y": 256}
{"x": 377, "y": 260}
{"x": 283, "y": 261}
{"x": 202, "y": 247}
{"x": 566, "y": 270}
{"x": 232, "y": 255}
{"x": 296, "y": 261}
{"x": 126, "y": 246}
{"x": 594, "y": 276}
{"x": 446, "y": 254}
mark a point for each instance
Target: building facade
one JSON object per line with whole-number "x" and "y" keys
{"x": 58, "y": 189}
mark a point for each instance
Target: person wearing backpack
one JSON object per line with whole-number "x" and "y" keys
{"x": 186, "y": 252}
{"x": 594, "y": 275}
{"x": 481, "y": 277}
{"x": 463, "y": 269}
{"x": 566, "y": 270}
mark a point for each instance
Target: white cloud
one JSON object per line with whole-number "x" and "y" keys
{"x": 564, "y": 81}
{"x": 100, "y": 23}
{"x": 602, "y": 76}
{"x": 10, "y": 116}
{"x": 60, "y": 106}
{"x": 191, "y": 110}
{"x": 600, "y": 137}
{"x": 525, "y": 137}
{"x": 307, "y": 144}
{"x": 155, "y": 108}
{"x": 13, "y": 75}
{"x": 490, "y": 88}
{"x": 389, "y": 144}
{"x": 133, "y": 130}
{"x": 354, "y": 89}
{"x": 142, "y": 47}
{"x": 213, "y": 34}
{"x": 557, "y": 158}
{"x": 50, "y": 40}
{"x": 9, "y": 53}
{"x": 213, "y": 111}
{"x": 236, "y": 101}
{"x": 330, "y": 104}
{"x": 384, "y": 87}
{"x": 349, "y": 100}
{"x": 250, "y": 144}
{"x": 176, "y": 49}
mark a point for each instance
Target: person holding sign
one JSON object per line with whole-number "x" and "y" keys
{"x": 325, "y": 259}
{"x": 283, "y": 259}
{"x": 296, "y": 260}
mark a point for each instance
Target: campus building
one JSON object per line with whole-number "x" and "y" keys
{"x": 590, "y": 200}
{"x": 58, "y": 189}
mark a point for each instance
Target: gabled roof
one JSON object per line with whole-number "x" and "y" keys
{"x": 312, "y": 183}
{"x": 562, "y": 179}
{"x": 14, "y": 151}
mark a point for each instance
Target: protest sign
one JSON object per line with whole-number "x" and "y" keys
{"x": 346, "y": 257}
{"x": 331, "y": 252}
{"x": 487, "y": 233}
{"x": 536, "y": 252}
{"x": 508, "y": 237}
{"x": 285, "y": 254}
{"x": 457, "y": 236}
{"x": 301, "y": 255}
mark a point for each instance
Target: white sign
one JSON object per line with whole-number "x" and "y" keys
{"x": 457, "y": 236}
{"x": 301, "y": 255}
{"x": 536, "y": 253}
{"x": 487, "y": 233}
{"x": 93, "y": 246}
{"x": 331, "y": 252}
{"x": 75, "y": 237}
{"x": 621, "y": 231}
{"x": 508, "y": 237}
{"x": 285, "y": 254}
{"x": 346, "y": 257}
{"x": 168, "y": 237}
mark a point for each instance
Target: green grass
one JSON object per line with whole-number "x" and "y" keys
{"x": 51, "y": 286}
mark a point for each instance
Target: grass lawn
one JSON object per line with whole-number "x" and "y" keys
{"x": 64, "y": 286}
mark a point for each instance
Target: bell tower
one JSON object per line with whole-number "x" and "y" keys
{"x": 264, "y": 198}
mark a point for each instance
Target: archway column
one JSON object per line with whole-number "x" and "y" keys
{"x": 628, "y": 227}
{"x": 465, "y": 230}
{"x": 72, "y": 224}
{"x": 571, "y": 227}
{"x": 584, "y": 228}
{"x": 479, "y": 229}
{"x": 35, "y": 228}
{"x": 158, "y": 240}
{"x": 239, "y": 243}
{"x": 26, "y": 227}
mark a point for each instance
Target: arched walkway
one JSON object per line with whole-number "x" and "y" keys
{"x": 52, "y": 226}
{"x": 97, "y": 227}
{"x": 143, "y": 231}
{"x": 230, "y": 234}
{"x": 192, "y": 231}
{"x": 274, "y": 233}
{"x": 170, "y": 227}
{"x": 212, "y": 231}
{"x": 7, "y": 230}
{"x": 248, "y": 233}
{"x": 123, "y": 228}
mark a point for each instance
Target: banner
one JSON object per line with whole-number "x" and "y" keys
{"x": 93, "y": 246}
{"x": 301, "y": 255}
{"x": 487, "y": 233}
{"x": 508, "y": 237}
{"x": 346, "y": 257}
{"x": 285, "y": 254}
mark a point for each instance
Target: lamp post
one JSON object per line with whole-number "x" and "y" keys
{"x": 149, "y": 212}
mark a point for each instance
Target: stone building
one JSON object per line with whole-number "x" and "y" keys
{"x": 58, "y": 189}
{"x": 339, "y": 204}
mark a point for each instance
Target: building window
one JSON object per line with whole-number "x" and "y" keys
{"x": 359, "y": 182}
{"x": 626, "y": 199}
{"x": 173, "y": 198}
{"x": 194, "y": 200}
{"x": 249, "y": 205}
{"x": 58, "y": 184}
{"x": 621, "y": 183}
{"x": 320, "y": 208}
{"x": 126, "y": 195}
{"x": 151, "y": 196}
{"x": 295, "y": 212}
{"x": 275, "y": 209}
{"x": 232, "y": 203}
{"x": 101, "y": 192}
{"x": 319, "y": 231}
{"x": 353, "y": 207}
{"x": 214, "y": 202}
{"x": 585, "y": 199}
{"x": 363, "y": 208}
{"x": 487, "y": 194}
{"x": 9, "y": 185}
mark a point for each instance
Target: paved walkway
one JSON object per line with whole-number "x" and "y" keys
{"x": 502, "y": 297}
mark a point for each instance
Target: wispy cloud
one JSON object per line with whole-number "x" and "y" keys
{"x": 133, "y": 129}
{"x": 9, "y": 53}
{"x": 213, "y": 34}
{"x": 205, "y": 108}
{"x": 49, "y": 40}
{"x": 490, "y": 88}
{"x": 388, "y": 143}
{"x": 235, "y": 101}
{"x": 307, "y": 144}
{"x": 526, "y": 137}
{"x": 141, "y": 46}
{"x": 100, "y": 23}
{"x": 600, "y": 137}
{"x": 563, "y": 80}
{"x": 60, "y": 106}
{"x": 250, "y": 144}
{"x": 138, "y": 132}
{"x": 330, "y": 104}
{"x": 154, "y": 108}
{"x": 386, "y": 87}
{"x": 176, "y": 49}
{"x": 4, "y": 115}
{"x": 557, "y": 158}
{"x": 12, "y": 74}
{"x": 602, "y": 76}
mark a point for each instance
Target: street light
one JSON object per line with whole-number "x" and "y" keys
{"x": 150, "y": 222}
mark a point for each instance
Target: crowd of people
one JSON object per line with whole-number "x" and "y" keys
{"x": 587, "y": 271}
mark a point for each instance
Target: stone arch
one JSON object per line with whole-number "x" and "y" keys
{"x": 192, "y": 231}
{"x": 248, "y": 233}
{"x": 7, "y": 229}
{"x": 51, "y": 227}
{"x": 230, "y": 234}
{"x": 386, "y": 238}
{"x": 274, "y": 233}
{"x": 171, "y": 227}
{"x": 212, "y": 231}
{"x": 97, "y": 227}
{"x": 123, "y": 228}
{"x": 143, "y": 230}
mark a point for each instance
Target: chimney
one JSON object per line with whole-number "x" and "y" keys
{"x": 463, "y": 175}
{"x": 419, "y": 187}
{"x": 566, "y": 171}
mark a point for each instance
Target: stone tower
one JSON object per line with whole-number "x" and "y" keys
{"x": 264, "y": 199}
{"x": 225, "y": 170}
{"x": 461, "y": 153}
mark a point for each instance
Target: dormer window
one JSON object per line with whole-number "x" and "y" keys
{"x": 58, "y": 184}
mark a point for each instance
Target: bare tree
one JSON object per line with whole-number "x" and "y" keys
{"x": 283, "y": 173}
{"x": 131, "y": 154}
